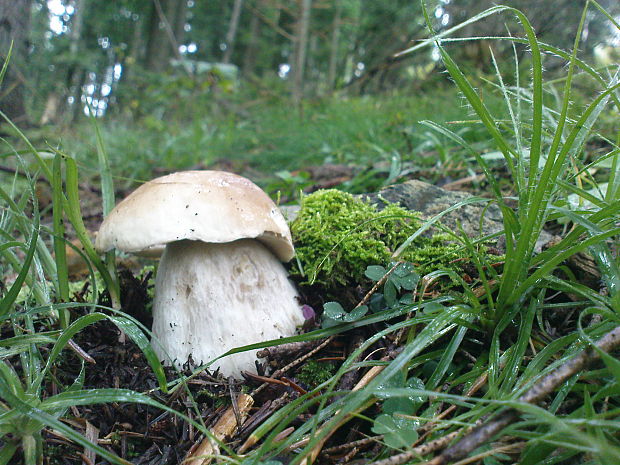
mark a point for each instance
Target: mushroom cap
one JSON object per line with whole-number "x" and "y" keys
{"x": 208, "y": 206}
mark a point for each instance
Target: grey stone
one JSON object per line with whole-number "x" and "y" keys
{"x": 290, "y": 212}
{"x": 429, "y": 200}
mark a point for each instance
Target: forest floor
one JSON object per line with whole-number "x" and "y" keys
{"x": 147, "y": 436}
{"x": 459, "y": 363}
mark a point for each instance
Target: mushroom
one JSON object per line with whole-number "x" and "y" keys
{"x": 220, "y": 283}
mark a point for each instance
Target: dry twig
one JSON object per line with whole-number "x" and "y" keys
{"x": 203, "y": 452}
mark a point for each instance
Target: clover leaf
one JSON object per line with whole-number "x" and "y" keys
{"x": 398, "y": 431}
{"x": 334, "y": 314}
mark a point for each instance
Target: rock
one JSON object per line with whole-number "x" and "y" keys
{"x": 429, "y": 200}
{"x": 290, "y": 212}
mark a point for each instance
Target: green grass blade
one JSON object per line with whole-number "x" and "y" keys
{"x": 515, "y": 359}
{"x": 608, "y": 264}
{"x": 107, "y": 195}
{"x": 40, "y": 162}
{"x": 613, "y": 185}
{"x": 10, "y": 297}
{"x": 44, "y": 418}
{"x": 138, "y": 337}
{"x": 10, "y": 245}
{"x": 557, "y": 140}
{"x": 5, "y": 65}
{"x": 552, "y": 263}
{"x": 60, "y": 253}
{"x": 11, "y": 382}
{"x": 370, "y": 319}
{"x": 473, "y": 152}
{"x": 67, "y": 399}
{"x": 605, "y": 13}
{"x": 7, "y": 451}
{"x": 447, "y": 357}
{"x": 428, "y": 223}
{"x": 132, "y": 330}
{"x": 519, "y": 174}
{"x": 75, "y": 216}
{"x": 538, "y": 363}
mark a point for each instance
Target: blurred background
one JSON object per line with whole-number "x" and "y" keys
{"x": 262, "y": 83}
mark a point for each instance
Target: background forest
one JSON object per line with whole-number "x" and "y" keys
{"x": 430, "y": 335}
{"x": 183, "y": 83}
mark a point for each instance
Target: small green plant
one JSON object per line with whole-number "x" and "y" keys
{"x": 334, "y": 314}
{"x": 314, "y": 373}
{"x": 401, "y": 278}
{"x": 396, "y": 423}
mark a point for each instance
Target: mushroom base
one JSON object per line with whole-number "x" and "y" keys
{"x": 210, "y": 298}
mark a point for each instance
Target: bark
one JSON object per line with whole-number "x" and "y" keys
{"x": 179, "y": 21}
{"x": 301, "y": 44}
{"x": 249, "y": 57}
{"x": 75, "y": 72}
{"x": 162, "y": 45}
{"x": 333, "y": 52}
{"x": 14, "y": 28}
{"x": 232, "y": 31}
{"x": 78, "y": 104}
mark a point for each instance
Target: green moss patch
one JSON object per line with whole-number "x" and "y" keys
{"x": 314, "y": 373}
{"x": 337, "y": 236}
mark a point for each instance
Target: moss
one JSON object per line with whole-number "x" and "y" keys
{"x": 337, "y": 236}
{"x": 313, "y": 373}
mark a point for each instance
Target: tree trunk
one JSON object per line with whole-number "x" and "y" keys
{"x": 249, "y": 57}
{"x": 75, "y": 71}
{"x": 314, "y": 72}
{"x": 78, "y": 104}
{"x": 333, "y": 52}
{"x": 232, "y": 31}
{"x": 162, "y": 44}
{"x": 179, "y": 21}
{"x": 14, "y": 28}
{"x": 301, "y": 44}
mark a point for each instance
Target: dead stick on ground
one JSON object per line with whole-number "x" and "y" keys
{"x": 202, "y": 453}
{"x": 483, "y": 433}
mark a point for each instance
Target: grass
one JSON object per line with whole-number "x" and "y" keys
{"x": 478, "y": 351}
{"x": 359, "y": 131}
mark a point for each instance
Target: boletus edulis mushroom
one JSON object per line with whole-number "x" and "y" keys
{"x": 220, "y": 283}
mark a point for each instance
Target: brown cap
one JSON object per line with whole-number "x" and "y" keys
{"x": 208, "y": 206}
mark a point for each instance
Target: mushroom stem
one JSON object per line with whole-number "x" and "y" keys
{"x": 210, "y": 298}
